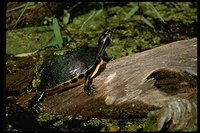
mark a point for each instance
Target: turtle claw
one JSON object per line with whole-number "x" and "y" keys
{"x": 89, "y": 90}
{"x": 35, "y": 104}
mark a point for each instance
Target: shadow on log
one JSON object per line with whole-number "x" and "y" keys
{"x": 132, "y": 85}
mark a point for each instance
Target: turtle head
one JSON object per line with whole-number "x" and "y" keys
{"x": 104, "y": 40}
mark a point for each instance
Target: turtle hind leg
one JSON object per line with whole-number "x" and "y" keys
{"x": 88, "y": 87}
{"x": 35, "y": 103}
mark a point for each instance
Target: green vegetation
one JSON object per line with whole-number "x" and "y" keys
{"x": 132, "y": 25}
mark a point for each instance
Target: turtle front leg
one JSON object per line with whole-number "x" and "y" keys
{"x": 88, "y": 88}
{"x": 34, "y": 104}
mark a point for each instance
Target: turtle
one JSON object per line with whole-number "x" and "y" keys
{"x": 75, "y": 67}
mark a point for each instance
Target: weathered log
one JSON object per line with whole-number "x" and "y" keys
{"x": 132, "y": 85}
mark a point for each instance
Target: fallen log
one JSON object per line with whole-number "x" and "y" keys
{"x": 132, "y": 85}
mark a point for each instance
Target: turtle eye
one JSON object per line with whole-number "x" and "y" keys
{"x": 105, "y": 39}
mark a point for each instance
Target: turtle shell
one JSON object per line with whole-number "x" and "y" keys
{"x": 61, "y": 68}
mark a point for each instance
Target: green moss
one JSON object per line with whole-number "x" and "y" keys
{"x": 45, "y": 117}
{"x": 58, "y": 123}
{"x": 36, "y": 80}
{"x": 176, "y": 11}
{"x": 35, "y": 83}
{"x": 93, "y": 122}
{"x": 150, "y": 125}
{"x": 59, "y": 52}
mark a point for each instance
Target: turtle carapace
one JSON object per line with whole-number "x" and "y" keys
{"x": 73, "y": 68}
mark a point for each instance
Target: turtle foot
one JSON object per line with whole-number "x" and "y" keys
{"x": 35, "y": 104}
{"x": 89, "y": 90}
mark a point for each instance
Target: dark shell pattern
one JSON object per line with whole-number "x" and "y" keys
{"x": 58, "y": 69}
